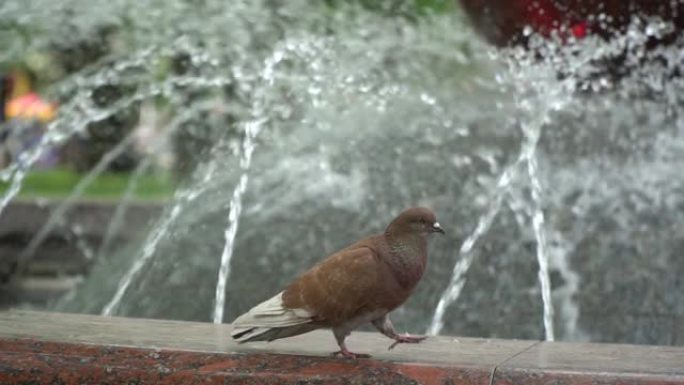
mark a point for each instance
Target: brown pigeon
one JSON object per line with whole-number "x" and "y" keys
{"x": 361, "y": 283}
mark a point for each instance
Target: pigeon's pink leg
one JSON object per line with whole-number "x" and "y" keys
{"x": 340, "y": 335}
{"x": 347, "y": 354}
{"x": 385, "y": 326}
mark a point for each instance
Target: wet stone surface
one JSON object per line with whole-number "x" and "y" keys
{"x": 53, "y": 348}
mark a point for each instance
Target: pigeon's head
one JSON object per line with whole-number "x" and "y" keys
{"x": 415, "y": 220}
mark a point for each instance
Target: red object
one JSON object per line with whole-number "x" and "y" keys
{"x": 579, "y": 30}
{"x": 30, "y": 106}
{"x": 503, "y": 22}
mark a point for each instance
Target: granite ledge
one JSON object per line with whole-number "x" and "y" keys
{"x": 53, "y": 348}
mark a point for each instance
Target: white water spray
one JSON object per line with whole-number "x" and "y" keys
{"x": 183, "y": 197}
{"x": 252, "y": 129}
{"x": 467, "y": 256}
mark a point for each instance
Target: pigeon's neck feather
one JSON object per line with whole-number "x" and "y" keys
{"x": 407, "y": 256}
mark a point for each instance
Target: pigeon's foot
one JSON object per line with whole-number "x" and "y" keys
{"x": 406, "y": 339}
{"x": 347, "y": 354}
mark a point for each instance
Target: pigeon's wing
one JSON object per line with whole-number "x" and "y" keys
{"x": 270, "y": 320}
{"x": 331, "y": 293}
{"x": 341, "y": 287}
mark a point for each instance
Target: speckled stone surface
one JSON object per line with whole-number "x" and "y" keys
{"x": 53, "y": 348}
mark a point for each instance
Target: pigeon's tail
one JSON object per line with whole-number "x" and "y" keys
{"x": 270, "y": 320}
{"x": 270, "y": 334}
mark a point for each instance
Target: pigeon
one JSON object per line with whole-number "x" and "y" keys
{"x": 361, "y": 283}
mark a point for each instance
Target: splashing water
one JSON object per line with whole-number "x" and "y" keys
{"x": 558, "y": 257}
{"x": 18, "y": 171}
{"x": 457, "y": 281}
{"x": 538, "y": 93}
{"x": 369, "y": 114}
{"x": 57, "y": 215}
{"x": 251, "y": 131}
{"x": 542, "y": 256}
{"x": 117, "y": 221}
{"x": 75, "y": 116}
{"x": 559, "y": 97}
{"x": 182, "y": 198}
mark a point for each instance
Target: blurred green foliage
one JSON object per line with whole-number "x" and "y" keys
{"x": 59, "y": 183}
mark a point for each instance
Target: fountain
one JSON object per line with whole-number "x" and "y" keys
{"x": 557, "y": 182}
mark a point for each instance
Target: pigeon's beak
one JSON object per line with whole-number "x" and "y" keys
{"x": 437, "y": 228}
